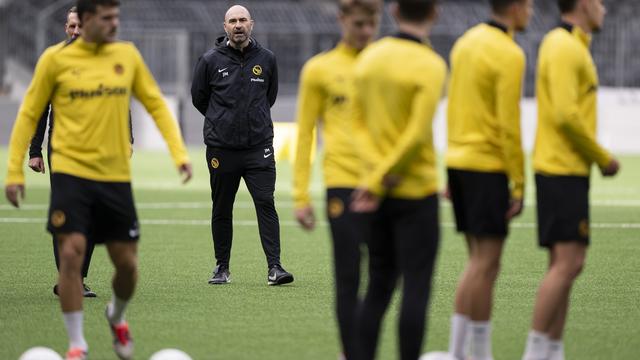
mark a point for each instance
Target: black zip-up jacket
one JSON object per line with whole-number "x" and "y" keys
{"x": 235, "y": 90}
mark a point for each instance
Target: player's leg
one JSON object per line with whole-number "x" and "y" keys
{"x": 383, "y": 276}
{"x": 86, "y": 291}
{"x": 260, "y": 177}
{"x": 416, "y": 237}
{"x": 116, "y": 224}
{"x": 347, "y": 236}
{"x": 224, "y": 176}
{"x": 69, "y": 219}
{"x": 71, "y": 252}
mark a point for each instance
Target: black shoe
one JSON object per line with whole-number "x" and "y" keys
{"x": 86, "y": 291}
{"x": 278, "y": 276}
{"x": 221, "y": 275}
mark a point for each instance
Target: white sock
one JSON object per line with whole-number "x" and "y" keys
{"x": 556, "y": 350}
{"x": 481, "y": 340}
{"x": 73, "y": 323}
{"x": 116, "y": 310}
{"x": 537, "y": 346}
{"x": 458, "y": 335}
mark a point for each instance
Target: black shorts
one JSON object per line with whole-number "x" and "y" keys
{"x": 563, "y": 209}
{"x": 480, "y": 202}
{"x": 103, "y": 211}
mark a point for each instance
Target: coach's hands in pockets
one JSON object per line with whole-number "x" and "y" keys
{"x": 13, "y": 192}
{"x": 186, "y": 171}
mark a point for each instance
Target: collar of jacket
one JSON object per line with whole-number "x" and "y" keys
{"x": 577, "y": 32}
{"x": 405, "y": 36}
{"x": 222, "y": 45}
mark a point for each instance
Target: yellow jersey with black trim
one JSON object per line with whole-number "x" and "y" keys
{"x": 89, "y": 87}
{"x": 483, "y": 116}
{"x": 566, "y": 86}
{"x": 325, "y": 97}
{"x": 398, "y": 84}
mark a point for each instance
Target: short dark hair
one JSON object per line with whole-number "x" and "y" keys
{"x": 567, "y": 5}
{"x": 371, "y": 7}
{"x": 498, "y": 6}
{"x": 91, "y": 6}
{"x": 416, "y": 10}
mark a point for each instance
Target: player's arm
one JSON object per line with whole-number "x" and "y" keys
{"x": 508, "y": 94}
{"x": 147, "y": 91}
{"x": 272, "y": 91}
{"x": 34, "y": 103}
{"x": 310, "y": 107}
{"x": 564, "y": 70}
{"x": 35, "y": 149}
{"x": 200, "y": 89}
{"x": 416, "y": 135}
{"x": 36, "y": 161}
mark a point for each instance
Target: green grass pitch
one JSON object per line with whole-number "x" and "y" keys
{"x": 175, "y": 307}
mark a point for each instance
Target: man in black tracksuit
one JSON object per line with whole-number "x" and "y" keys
{"x": 234, "y": 86}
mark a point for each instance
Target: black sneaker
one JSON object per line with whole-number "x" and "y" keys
{"x": 86, "y": 291}
{"x": 278, "y": 276}
{"x": 221, "y": 275}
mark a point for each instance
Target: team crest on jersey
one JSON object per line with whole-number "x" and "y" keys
{"x": 335, "y": 208}
{"x": 583, "y": 228}
{"x": 119, "y": 69}
{"x": 215, "y": 163}
{"x": 257, "y": 70}
{"x": 58, "y": 218}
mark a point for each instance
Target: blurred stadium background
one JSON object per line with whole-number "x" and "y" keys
{"x": 173, "y": 34}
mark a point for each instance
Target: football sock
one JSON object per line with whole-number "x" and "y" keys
{"x": 556, "y": 350}
{"x": 537, "y": 346}
{"x": 481, "y": 340}
{"x": 116, "y": 310}
{"x": 73, "y": 323}
{"x": 458, "y": 335}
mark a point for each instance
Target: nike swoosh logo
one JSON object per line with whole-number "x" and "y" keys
{"x": 221, "y": 70}
{"x": 267, "y": 155}
{"x": 273, "y": 278}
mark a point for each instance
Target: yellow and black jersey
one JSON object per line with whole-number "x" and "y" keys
{"x": 398, "y": 85}
{"x": 326, "y": 91}
{"x": 487, "y": 71}
{"x": 566, "y": 86}
{"x": 90, "y": 86}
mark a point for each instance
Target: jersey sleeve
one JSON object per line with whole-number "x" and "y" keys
{"x": 564, "y": 72}
{"x": 310, "y": 107}
{"x": 147, "y": 91}
{"x": 508, "y": 95}
{"x": 34, "y": 103}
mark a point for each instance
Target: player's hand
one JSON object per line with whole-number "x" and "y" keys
{"x": 611, "y": 169}
{"x": 364, "y": 201}
{"x": 446, "y": 193}
{"x": 515, "y": 208}
{"x": 306, "y": 218}
{"x": 186, "y": 171}
{"x": 14, "y": 193}
{"x": 391, "y": 180}
{"x": 37, "y": 164}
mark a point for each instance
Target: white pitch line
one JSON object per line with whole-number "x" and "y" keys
{"x": 290, "y": 223}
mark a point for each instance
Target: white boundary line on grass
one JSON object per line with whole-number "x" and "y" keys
{"x": 282, "y": 204}
{"x": 289, "y": 223}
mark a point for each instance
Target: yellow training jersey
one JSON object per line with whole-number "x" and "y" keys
{"x": 89, "y": 87}
{"x": 487, "y": 70}
{"x": 398, "y": 84}
{"x": 326, "y": 90}
{"x": 566, "y": 86}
